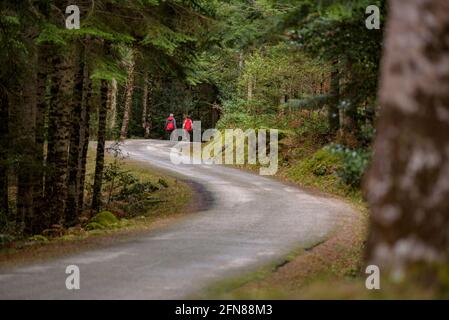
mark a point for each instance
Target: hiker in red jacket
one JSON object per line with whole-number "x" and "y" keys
{"x": 170, "y": 125}
{"x": 188, "y": 126}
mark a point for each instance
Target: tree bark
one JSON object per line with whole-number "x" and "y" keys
{"x": 22, "y": 139}
{"x": 250, "y": 88}
{"x": 58, "y": 138}
{"x": 26, "y": 174}
{"x": 333, "y": 110}
{"x": 129, "y": 90}
{"x": 71, "y": 212}
{"x": 408, "y": 183}
{"x": 145, "y": 122}
{"x": 84, "y": 136}
{"x": 4, "y": 208}
{"x": 41, "y": 112}
{"x": 99, "y": 162}
{"x": 241, "y": 62}
{"x": 112, "y": 104}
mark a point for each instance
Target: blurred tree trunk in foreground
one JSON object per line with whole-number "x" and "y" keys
{"x": 408, "y": 184}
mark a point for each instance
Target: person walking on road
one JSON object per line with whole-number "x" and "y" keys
{"x": 188, "y": 127}
{"x": 170, "y": 126}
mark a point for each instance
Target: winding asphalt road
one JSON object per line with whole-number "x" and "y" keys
{"x": 248, "y": 221}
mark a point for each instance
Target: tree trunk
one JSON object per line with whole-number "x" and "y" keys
{"x": 71, "y": 212}
{"x": 41, "y": 112}
{"x": 250, "y": 88}
{"x": 26, "y": 174}
{"x": 99, "y": 162}
{"x": 128, "y": 100}
{"x": 58, "y": 138}
{"x": 84, "y": 136}
{"x": 408, "y": 183}
{"x": 4, "y": 208}
{"x": 22, "y": 135}
{"x": 112, "y": 104}
{"x": 241, "y": 62}
{"x": 333, "y": 110}
{"x": 145, "y": 122}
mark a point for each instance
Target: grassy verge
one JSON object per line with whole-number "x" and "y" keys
{"x": 174, "y": 200}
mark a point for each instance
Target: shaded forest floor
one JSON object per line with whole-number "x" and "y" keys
{"x": 174, "y": 201}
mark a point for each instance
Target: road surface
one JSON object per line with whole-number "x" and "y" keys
{"x": 248, "y": 222}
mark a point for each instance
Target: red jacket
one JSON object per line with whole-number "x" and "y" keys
{"x": 170, "y": 124}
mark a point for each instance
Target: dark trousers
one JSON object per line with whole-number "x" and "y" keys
{"x": 167, "y": 134}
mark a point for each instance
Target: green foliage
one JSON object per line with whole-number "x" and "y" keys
{"x": 313, "y": 125}
{"x": 321, "y": 163}
{"x": 355, "y": 163}
{"x": 5, "y": 239}
{"x": 137, "y": 189}
{"x": 102, "y": 220}
{"x": 126, "y": 192}
{"x": 309, "y": 103}
{"x": 165, "y": 39}
{"x": 38, "y": 238}
{"x": 163, "y": 183}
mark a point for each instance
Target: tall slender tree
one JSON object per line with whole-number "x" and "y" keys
{"x": 145, "y": 122}
{"x": 112, "y": 104}
{"x": 84, "y": 135}
{"x": 333, "y": 110}
{"x": 71, "y": 210}
{"x": 129, "y": 90}
{"x": 25, "y": 139}
{"x": 99, "y": 163}
{"x": 43, "y": 69}
{"x": 4, "y": 121}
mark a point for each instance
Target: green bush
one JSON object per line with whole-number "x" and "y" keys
{"x": 314, "y": 125}
{"x": 38, "y": 238}
{"x": 321, "y": 163}
{"x": 163, "y": 183}
{"x": 355, "y": 163}
{"x": 102, "y": 220}
{"x": 138, "y": 189}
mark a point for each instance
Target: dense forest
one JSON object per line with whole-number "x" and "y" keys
{"x": 246, "y": 64}
{"x": 310, "y": 69}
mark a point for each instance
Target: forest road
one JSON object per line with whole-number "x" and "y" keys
{"x": 248, "y": 221}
